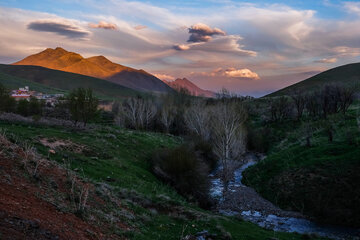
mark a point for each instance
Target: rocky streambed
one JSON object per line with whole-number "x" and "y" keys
{"x": 240, "y": 200}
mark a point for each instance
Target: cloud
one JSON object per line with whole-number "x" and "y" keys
{"x": 241, "y": 73}
{"x": 181, "y": 47}
{"x": 226, "y": 44}
{"x": 203, "y": 33}
{"x": 326, "y": 60}
{"x": 104, "y": 25}
{"x": 230, "y": 73}
{"x": 344, "y": 51}
{"x": 63, "y": 28}
{"x": 164, "y": 77}
{"x": 139, "y": 27}
{"x": 352, "y": 7}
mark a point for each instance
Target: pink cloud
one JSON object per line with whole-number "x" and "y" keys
{"x": 181, "y": 47}
{"x": 139, "y": 27}
{"x": 326, "y": 60}
{"x": 104, "y": 25}
{"x": 230, "y": 73}
{"x": 164, "y": 77}
{"x": 241, "y": 73}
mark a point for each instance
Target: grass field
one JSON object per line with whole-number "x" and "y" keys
{"x": 120, "y": 158}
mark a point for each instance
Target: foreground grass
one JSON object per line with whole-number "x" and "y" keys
{"x": 120, "y": 158}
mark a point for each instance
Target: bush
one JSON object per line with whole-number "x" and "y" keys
{"x": 204, "y": 150}
{"x": 185, "y": 170}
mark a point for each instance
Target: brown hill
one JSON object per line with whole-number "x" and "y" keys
{"x": 98, "y": 66}
{"x": 191, "y": 87}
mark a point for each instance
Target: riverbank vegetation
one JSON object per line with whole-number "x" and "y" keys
{"x": 313, "y": 154}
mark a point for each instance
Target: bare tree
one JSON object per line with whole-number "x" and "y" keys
{"x": 130, "y": 111}
{"x": 167, "y": 116}
{"x": 138, "y": 112}
{"x": 228, "y": 135}
{"x": 313, "y": 104}
{"x": 197, "y": 119}
{"x": 150, "y": 111}
{"x": 280, "y": 108}
{"x": 346, "y": 98}
{"x": 299, "y": 100}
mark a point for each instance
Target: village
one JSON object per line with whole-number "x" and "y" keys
{"x": 26, "y": 93}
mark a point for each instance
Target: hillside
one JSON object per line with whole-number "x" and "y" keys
{"x": 190, "y": 86}
{"x": 347, "y": 74}
{"x": 125, "y": 200}
{"x": 12, "y": 82}
{"x": 312, "y": 165}
{"x": 98, "y": 66}
{"x": 47, "y": 80}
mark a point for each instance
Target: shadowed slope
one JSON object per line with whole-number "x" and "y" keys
{"x": 63, "y": 80}
{"x": 347, "y": 74}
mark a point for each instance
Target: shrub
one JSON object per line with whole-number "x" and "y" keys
{"x": 204, "y": 150}
{"x": 185, "y": 171}
{"x": 259, "y": 140}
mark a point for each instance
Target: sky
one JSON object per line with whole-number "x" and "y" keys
{"x": 249, "y": 47}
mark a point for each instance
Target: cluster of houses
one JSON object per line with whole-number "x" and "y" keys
{"x": 25, "y": 93}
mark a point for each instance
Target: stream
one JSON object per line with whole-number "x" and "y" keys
{"x": 240, "y": 200}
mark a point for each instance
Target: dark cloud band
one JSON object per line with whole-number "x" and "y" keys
{"x": 202, "y": 33}
{"x": 63, "y": 29}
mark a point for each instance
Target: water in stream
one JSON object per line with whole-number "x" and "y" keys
{"x": 244, "y": 201}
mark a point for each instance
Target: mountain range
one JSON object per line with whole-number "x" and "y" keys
{"x": 98, "y": 67}
{"x": 64, "y": 70}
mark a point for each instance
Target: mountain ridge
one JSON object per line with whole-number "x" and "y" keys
{"x": 96, "y": 66}
{"x": 184, "y": 83}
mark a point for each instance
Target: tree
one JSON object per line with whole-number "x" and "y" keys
{"x": 35, "y": 106}
{"x": 7, "y": 103}
{"x": 280, "y": 108}
{"x": 313, "y": 104}
{"x": 4, "y": 94}
{"x": 197, "y": 118}
{"x": 346, "y": 98}
{"x": 23, "y": 107}
{"x": 138, "y": 112}
{"x": 82, "y": 105}
{"x": 228, "y": 136}
{"x": 167, "y": 116}
{"x": 299, "y": 100}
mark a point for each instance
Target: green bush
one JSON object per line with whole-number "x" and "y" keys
{"x": 259, "y": 140}
{"x": 185, "y": 170}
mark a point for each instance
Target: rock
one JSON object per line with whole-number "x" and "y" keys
{"x": 205, "y": 232}
{"x": 110, "y": 179}
{"x": 203, "y": 235}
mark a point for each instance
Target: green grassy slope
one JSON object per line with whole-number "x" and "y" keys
{"x": 321, "y": 180}
{"x": 121, "y": 155}
{"x": 348, "y": 74}
{"x": 12, "y": 82}
{"x": 63, "y": 80}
